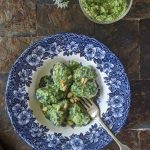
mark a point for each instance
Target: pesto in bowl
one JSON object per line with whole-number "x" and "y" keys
{"x": 61, "y": 93}
{"x": 105, "y": 11}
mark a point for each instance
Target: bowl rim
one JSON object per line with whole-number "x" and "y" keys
{"x": 42, "y": 39}
{"x": 105, "y": 22}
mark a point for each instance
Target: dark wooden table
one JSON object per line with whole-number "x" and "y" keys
{"x": 24, "y": 21}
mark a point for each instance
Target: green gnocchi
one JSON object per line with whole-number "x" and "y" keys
{"x": 59, "y": 95}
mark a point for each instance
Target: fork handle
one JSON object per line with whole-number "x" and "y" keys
{"x": 121, "y": 146}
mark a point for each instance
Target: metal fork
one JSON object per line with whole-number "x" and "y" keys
{"x": 94, "y": 112}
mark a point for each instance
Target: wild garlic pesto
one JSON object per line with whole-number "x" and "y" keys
{"x": 104, "y": 10}
{"x": 78, "y": 115}
{"x": 57, "y": 112}
{"x": 45, "y": 81}
{"x": 49, "y": 95}
{"x": 62, "y": 76}
{"x": 88, "y": 90}
{"x": 73, "y": 65}
{"x": 59, "y": 95}
{"x": 84, "y": 72}
{"x": 42, "y": 95}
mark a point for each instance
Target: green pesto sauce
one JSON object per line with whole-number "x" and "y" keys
{"x": 104, "y": 10}
{"x": 78, "y": 116}
{"x": 84, "y": 72}
{"x": 73, "y": 65}
{"x": 49, "y": 94}
{"x": 45, "y": 81}
{"x": 88, "y": 90}
{"x": 61, "y": 73}
{"x": 55, "y": 103}
{"x": 57, "y": 116}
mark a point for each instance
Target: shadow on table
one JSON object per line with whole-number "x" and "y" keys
{"x": 4, "y": 146}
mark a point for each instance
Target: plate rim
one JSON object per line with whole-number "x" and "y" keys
{"x": 41, "y": 40}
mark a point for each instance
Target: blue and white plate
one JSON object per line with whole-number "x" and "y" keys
{"x": 36, "y": 61}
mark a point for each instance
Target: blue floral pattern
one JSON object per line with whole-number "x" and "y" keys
{"x": 116, "y": 101}
{"x": 54, "y": 49}
{"x": 23, "y": 118}
{"x": 68, "y": 44}
{"x": 72, "y": 47}
{"x": 106, "y": 67}
{"x": 53, "y": 141}
{"x": 89, "y": 51}
{"x": 93, "y": 135}
{"x": 25, "y": 76}
{"x": 76, "y": 143}
{"x": 117, "y": 111}
{"x": 33, "y": 59}
{"x": 17, "y": 109}
{"x": 36, "y": 131}
{"x": 100, "y": 53}
{"x": 67, "y": 146}
{"x": 20, "y": 93}
{"x": 39, "y": 50}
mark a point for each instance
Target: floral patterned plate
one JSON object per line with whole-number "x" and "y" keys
{"x": 36, "y": 61}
